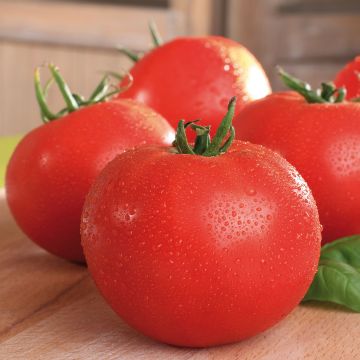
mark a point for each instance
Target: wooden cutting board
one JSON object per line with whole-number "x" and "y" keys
{"x": 50, "y": 309}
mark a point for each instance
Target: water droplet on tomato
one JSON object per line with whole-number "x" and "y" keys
{"x": 251, "y": 192}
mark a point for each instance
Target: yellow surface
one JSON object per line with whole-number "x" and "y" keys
{"x": 7, "y": 146}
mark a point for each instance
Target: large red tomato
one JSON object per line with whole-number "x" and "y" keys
{"x": 193, "y": 78}
{"x": 54, "y": 165}
{"x": 196, "y": 247}
{"x": 349, "y": 77}
{"x": 322, "y": 140}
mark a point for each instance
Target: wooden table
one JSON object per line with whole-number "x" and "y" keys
{"x": 50, "y": 309}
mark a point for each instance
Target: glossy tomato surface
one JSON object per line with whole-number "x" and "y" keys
{"x": 323, "y": 142}
{"x": 200, "y": 251}
{"x": 54, "y": 165}
{"x": 349, "y": 77}
{"x": 194, "y": 78}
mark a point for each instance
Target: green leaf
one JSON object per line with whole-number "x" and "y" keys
{"x": 338, "y": 276}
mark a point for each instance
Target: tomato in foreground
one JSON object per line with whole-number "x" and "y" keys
{"x": 53, "y": 166}
{"x": 320, "y": 135}
{"x": 193, "y": 78}
{"x": 349, "y": 77}
{"x": 204, "y": 245}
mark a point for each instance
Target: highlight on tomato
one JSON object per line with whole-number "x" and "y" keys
{"x": 53, "y": 166}
{"x": 201, "y": 244}
{"x": 318, "y": 132}
{"x": 193, "y": 77}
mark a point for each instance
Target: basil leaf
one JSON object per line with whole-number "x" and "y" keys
{"x": 338, "y": 277}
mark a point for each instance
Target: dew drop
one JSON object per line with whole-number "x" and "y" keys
{"x": 251, "y": 192}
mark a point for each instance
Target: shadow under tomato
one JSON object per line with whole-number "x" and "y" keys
{"x": 326, "y": 306}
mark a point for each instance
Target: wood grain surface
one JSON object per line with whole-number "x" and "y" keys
{"x": 50, "y": 309}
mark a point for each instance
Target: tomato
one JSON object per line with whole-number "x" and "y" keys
{"x": 349, "y": 77}
{"x": 53, "y": 166}
{"x": 322, "y": 140}
{"x": 197, "y": 250}
{"x": 193, "y": 78}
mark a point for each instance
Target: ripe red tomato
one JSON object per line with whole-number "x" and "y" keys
{"x": 349, "y": 77}
{"x": 193, "y": 78}
{"x": 206, "y": 250}
{"x": 322, "y": 140}
{"x": 54, "y": 165}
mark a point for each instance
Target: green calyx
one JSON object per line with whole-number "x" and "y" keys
{"x": 73, "y": 101}
{"x": 155, "y": 35}
{"x": 156, "y": 40}
{"x": 204, "y": 145}
{"x": 328, "y": 93}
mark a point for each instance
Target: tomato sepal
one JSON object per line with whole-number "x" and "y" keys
{"x": 131, "y": 55}
{"x": 155, "y": 35}
{"x": 73, "y": 101}
{"x": 328, "y": 93}
{"x": 204, "y": 146}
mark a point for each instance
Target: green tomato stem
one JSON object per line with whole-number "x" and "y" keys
{"x": 181, "y": 141}
{"x": 204, "y": 146}
{"x": 229, "y": 141}
{"x": 202, "y": 140}
{"x": 328, "y": 93}
{"x": 64, "y": 89}
{"x": 216, "y": 144}
{"x": 341, "y": 95}
{"x": 155, "y": 35}
{"x": 130, "y": 54}
{"x": 73, "y": 101}
{"x": 105, "y": 96}
{"x": 301, "y": 87}
{"x": 100, "y": 89}
{"x": 79, "y": 99}
{"x": 46, "y": 114}
{"x": 115, "y": 75}
{"x": 47, "y": 86}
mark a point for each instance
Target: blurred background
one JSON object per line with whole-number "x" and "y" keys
{"x": 310, "y": 38}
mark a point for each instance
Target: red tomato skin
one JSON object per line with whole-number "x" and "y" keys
{"x": 323, "y": 142}
{"x": 349, "y": 77}
{"x": 54, "y": 165}
{"x": 200, "y": 263}
{"x": 194, "y": 78}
